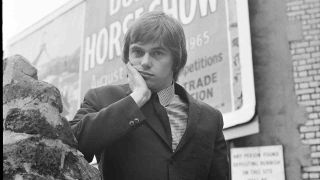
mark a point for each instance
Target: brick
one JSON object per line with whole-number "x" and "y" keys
{"x": 304, "y": 67}
{"x": 311, "y": 60}
{"x": 307, "y": 103}
{"x": 305, "y": 16}
{"x": 313, "y": 10}
{"x": 305, "y": 175}
{"x": 311, "y": 141}
{"x": 315, "y": 54}
{"x": 310, "y": 49}
{"x": 292, "y": 51}
{"x": 302, "y": 44}
{"x": 310, "y": 135}
{"x": 317, "y": 78}
{"x": 316, "y": 155}
{"x": 317, "y": 134}
{"x": 308, "y": 37}
{"x": 305, "y": 97}
{"x": 313, "y": 116}
{"x": 314, "y": 175}
{"x": 315, "y": 161}
{"x": 300, "y": 56}
{"x": 303, "y": 73}
{"x": 305, "y": 79}
{"x": 309, "y": 109}
{"x": 312, "y": 72}
{"x": 300, "y": 50}
{"x": 295, "y": 8}
{"x": 316, "y": 108}
{"x": 305, "y": 91}
{"x": 309, "y": 129}
{"x": 302, "y": 62}
{"x": 294, "y": 3}
{"x": 303, "y": 85}
{"x": 295, "y": 13}
{"x": 309, "y": 123}
{"x": 314, "y": 84}
{"x": 311, "y": 1}
{"x": 316, "y": 66}
{"x": 311, "y": 168}
{"x": 314, "y": 32}
{"x": 316, "y": 121}
{"x": 315, "y": 43}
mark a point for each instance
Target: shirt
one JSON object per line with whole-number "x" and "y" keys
{"x": 177, "y": 113}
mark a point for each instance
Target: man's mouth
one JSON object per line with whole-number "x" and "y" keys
{"x": 145, "y": 74}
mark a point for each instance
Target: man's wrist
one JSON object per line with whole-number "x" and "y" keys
{"x": 141, "y": 97}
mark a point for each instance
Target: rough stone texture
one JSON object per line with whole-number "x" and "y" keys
{"x": 37, "y": 140}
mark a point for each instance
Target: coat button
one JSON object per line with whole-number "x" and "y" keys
{"x": 131, "y": 123}
{"x": 136, "y": 120}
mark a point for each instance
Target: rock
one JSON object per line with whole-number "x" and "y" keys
{"x": 37, "y": 141}
{"x": 15, "y": 67}
{"x": 31, "y": 121}
{"x": 35, "y": 157}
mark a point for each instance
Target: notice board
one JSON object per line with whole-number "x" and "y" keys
{"x": 257, "y": 163}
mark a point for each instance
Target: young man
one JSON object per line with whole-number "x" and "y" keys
{"x": 151, "y": 128}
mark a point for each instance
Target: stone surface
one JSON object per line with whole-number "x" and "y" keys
{"x": 37, "y": 141}
{"x": 35, "y": 157}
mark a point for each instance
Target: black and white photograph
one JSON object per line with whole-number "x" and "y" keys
{"x": 161, "y": 89}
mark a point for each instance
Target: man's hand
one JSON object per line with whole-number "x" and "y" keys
{"x": 140, "y": 91}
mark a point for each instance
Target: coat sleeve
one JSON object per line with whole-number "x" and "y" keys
{"x": 220, "y": 161}
{"x": 96, "y": 127}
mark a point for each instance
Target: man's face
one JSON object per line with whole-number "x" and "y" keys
{"x": 154, "y": 63}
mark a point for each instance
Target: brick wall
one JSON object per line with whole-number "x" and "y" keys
{"x": 304, "y": 43}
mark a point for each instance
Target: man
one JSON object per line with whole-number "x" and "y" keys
{"x": 152, "y": 128}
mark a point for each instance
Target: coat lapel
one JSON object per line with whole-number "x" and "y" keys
{"x": 193, "y": 117}
{"x": 155, "y": 118}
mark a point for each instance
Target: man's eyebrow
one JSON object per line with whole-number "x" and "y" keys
{"x": 160, "y": 48}
{"x": 135, "y": 47}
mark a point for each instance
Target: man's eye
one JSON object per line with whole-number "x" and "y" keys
{"x": 157, "y": 53}
{"x": 137, "y": 53}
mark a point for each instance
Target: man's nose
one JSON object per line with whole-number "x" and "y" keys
{"x": 146, "y": 61}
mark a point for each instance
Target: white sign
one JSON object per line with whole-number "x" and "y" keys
{"x": 257, "y": 163}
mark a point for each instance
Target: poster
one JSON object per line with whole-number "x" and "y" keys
{"x": 219, "y": 67}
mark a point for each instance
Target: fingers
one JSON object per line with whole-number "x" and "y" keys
{"x": 132, "y": 72}
{"x": 134, "y": 78}
{"x": 130, "y": 69}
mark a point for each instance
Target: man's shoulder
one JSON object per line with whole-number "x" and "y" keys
{"x": 202, "y": 105}
{"x": 107, "y": 90}
{"x": 112, "y": 88}
{"x": 207, "y": 107}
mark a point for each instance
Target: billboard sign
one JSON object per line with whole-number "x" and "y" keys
{"x": 219, "y": 67}
{"x": 53, "y": 46}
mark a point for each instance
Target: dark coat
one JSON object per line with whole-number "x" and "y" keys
{"x": 135, "y": 144}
